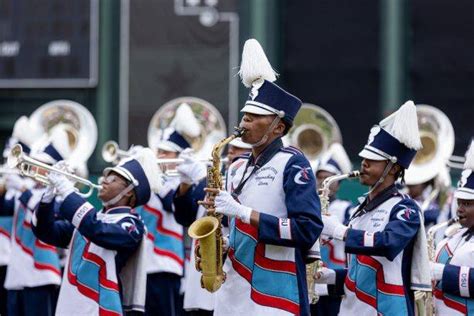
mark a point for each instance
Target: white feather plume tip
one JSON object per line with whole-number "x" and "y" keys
{"x": 59, "y": 139}
{"x": 469, "y": 163}
{"x": 255, "y": 65}
{"x": 339, "y": 155}
{"x": 403, "y": 125}
{"x": 26, "y": 132}
{"x": 184, "y": 121}
{"x": 147, "y": 160}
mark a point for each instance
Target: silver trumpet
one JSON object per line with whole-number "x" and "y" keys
{"x": 112, "y": 153}
{"x": 34, "y": 169}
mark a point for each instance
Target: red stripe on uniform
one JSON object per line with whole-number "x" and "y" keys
{"x": 270, "y": 264}
{"x": 246, "y": 229}
{"x": 449, "y": 302}
{"x": 364, "y": 297}
{"x": 332, "y": 254}
{"x": 239, "y": 267}
{"x": 106, "y": 312}
{"x": 159, "y": 223}
{"x": 44, "y": 266}
{"x": 382, "y": 286}
{"x": 168, "y": 254}
{"x": 275, "y": 302}
{"x": 4, "y": 232}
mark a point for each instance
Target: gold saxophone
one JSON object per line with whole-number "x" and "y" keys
{"x": 424, "y": 301}
{"x": 208, "y": 229}
{"x": 314, "y": 268}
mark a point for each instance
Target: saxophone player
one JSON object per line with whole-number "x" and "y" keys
{"x": 385, "y": 238}
{"x": 273, "y": 209}
{"x": 453, "y": 269}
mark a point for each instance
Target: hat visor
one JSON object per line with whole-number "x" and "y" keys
{"x": 367, "y": 154}
{"x": 465, "y": 195}
{"x": 248, "y": 108}
{"x": 118, "y": 170}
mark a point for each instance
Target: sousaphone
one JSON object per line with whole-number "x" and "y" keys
{"x": 313, "y": 131}
{"x": 78, "y": 122}
{"x": 437, "y": 138}
{"x": 212, "y": 125}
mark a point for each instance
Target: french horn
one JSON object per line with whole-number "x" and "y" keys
{"x": 213, "y": 127}
{"x": 313, "y": 131}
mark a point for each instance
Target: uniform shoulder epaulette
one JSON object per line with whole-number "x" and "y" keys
{"x": 291, "y": 150}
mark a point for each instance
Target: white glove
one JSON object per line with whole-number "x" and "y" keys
{"x": 191, "y": 170}
{"x": 326, "y": 276}
{"x": 333, "y": 228}
{"x": 225, "y": 204}
{"x": 436, "y": 270}
{"x": 48, "y": 195}
{"x": 63, "y": 186}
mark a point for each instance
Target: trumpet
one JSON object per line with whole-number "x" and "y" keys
{"x": 111, "y": 153}
{"x": 32, "y": 168}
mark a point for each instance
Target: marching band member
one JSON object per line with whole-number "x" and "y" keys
{"x": 105, "y": 271}
{"x": 273, "y": 209}
{"x": 334, "y": 162}
{"x": 454, "y": 267}
{"x": 165, "y": 247}
{"x": 385, "y": 237}
{"x": 34, "y": 272}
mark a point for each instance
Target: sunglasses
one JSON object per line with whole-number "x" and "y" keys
{"x": 110, "y": 178}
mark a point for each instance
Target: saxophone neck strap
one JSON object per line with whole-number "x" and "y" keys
{"x": 257, "y": 162}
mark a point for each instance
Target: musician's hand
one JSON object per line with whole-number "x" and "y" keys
{"x": 333, "y": 228}
{"x": 48, "y": 195}
{"x": 325, "y": 276}
{"x": 436, "y": 270}
{"x": 191, "y": 170}
{"x": 63, "y": 186}
{"x": 225, "y": 204}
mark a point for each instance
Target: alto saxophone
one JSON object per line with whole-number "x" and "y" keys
{"x": 313, "y": 269}
{"x": 208, "y": 229}
{"x": 424, "y": 301}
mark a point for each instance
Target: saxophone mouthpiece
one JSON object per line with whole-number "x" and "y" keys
{"x": 239, "y": 131}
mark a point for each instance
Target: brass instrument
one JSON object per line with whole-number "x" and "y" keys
{"x": 35, "y": 169}
{"x": 76, "y": 120}
{"x": 313, "y": 131}
{"x": 212, "y": 127}
{"x": 424, "y": 301}
{"x": 313, "y": 269}
{"x": 208, "y": 229}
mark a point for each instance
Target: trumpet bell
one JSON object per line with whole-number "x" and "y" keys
{"x": 110, "y": 151}
{"x": 313, "y": 131}
{"x": 14, "y": 158}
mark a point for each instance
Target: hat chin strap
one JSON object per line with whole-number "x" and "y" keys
{"x": 387, "y": 169}
{"x": 264, "y": 138}
{"x": 119, "y": 196}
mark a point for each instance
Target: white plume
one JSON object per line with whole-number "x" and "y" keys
{"x": 469, "y": 163}
{"x": 255, "y": 65}
{"x": 184, "y": 121}
{"x": 403, "y": 125}
{"x": 339, "y": 155}
{"x": 59, "y": 139}
{"x": 26, "y": 132}
{"x": 147, "y": 160}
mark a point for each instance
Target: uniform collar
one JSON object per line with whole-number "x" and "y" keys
{"x": 367, "y": 206}
{"x": 119, "y": 210}
{"x": 267, "y": 154}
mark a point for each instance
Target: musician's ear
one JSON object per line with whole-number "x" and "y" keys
{"x": 280, "y": 128}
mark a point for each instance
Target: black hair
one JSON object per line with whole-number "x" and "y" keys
{"x": 288, "y": 126}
